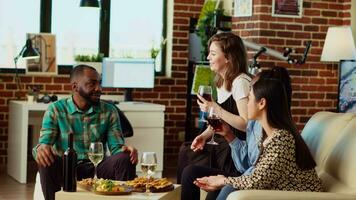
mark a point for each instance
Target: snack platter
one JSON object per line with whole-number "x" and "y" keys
{"x": 112, "y": 187}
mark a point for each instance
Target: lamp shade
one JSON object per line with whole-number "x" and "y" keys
{"x": 29, "y": 52}
{"x": 89, "y": 3}
{"x": 339, "y": 44}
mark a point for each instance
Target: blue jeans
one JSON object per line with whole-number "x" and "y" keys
{"x": 225, "y": 191}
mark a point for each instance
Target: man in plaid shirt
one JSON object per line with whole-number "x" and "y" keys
{"x": 90, "y": 120}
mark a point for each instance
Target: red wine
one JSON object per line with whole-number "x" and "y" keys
{"x": 207, "y": 97}
{"x": 215, "y": 123}
{"x": 69, "y": 167}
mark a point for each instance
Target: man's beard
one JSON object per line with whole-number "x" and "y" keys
{"x": 87, "y": 97}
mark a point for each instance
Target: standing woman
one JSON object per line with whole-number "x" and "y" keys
{"x": 285, "y": 162}
{"x": 228, "y": 59}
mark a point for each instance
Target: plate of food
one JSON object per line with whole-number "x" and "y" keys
{"x": 86, "y": 184}
{"x": 110, "y": 187}
{"x": 154, "y": 184}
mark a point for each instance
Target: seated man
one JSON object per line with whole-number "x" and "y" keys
{"x": 91, "y": 120}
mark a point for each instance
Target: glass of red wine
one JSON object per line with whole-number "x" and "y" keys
{"x": 215, "y": 122}
{"x": 205, "y": 91}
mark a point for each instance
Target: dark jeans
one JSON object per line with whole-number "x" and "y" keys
{"x": 116, "y": 167}
{"x": 191, "y": 173}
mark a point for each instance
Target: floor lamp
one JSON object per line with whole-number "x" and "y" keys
{"x": 27, "y": 52}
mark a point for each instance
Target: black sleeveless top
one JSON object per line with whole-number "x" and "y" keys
{"x": 230, "y": 105}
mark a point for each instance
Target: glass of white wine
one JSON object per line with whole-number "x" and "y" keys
{"x": 148, "y": 165}
{"x": 96, "y": 154}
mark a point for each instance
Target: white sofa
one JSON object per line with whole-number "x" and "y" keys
{"x": 331, "y": 138}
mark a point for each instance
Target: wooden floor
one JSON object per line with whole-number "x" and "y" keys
{"x": 13, "y": 190}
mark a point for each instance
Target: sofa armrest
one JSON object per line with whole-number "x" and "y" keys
{"x": 287, "y": 195}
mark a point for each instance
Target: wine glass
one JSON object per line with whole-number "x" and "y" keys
{"x": 148, "y": 165}
{"x": 96, "y": 154}
{"x": 205, "y": 91}
{"x": 215, "y": 122}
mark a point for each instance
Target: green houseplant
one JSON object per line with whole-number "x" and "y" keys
{"x": 205, "y": 26}
{"x": 94, "y": 60}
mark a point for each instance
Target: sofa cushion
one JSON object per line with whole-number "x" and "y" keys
{"x": 331, "y": 138}
{"x": 321, "y": 132}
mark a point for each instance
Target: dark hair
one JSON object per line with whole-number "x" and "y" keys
{"x": 279, "y": 116}
{"x": 78, "y": 71}
{"x": 234, "y": 51}
{"x": 281, "y": 74}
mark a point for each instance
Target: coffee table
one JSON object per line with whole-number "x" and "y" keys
{"x": 86, "y": 195}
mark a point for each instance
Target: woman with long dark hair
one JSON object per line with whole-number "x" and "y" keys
{"x": 284, "y": 153}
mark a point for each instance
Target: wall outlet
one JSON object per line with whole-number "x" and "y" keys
{"x": 181, "y": 136}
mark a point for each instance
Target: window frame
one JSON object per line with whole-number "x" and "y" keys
{"x": 104, "y": 32}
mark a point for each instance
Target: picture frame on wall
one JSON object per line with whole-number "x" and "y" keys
{"x": 347, "y": 86}
{"x": 287, "y": 8}
{"x": 45, "y": 44}
{"x": 243, "y": 8}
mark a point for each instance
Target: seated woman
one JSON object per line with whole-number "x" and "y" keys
{"x": 283, "y": 151}
{"x": 227, "y": 58}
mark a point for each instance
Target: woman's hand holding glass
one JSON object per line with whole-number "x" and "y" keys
{"x": 205, "y": 93}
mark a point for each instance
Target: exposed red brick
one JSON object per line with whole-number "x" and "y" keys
{"x": 316, "y": 95}
{"x": 61, "y": 80}
{"x": 329, "y": 13}
{"x": 320, "y": 5}
{"x": 324, "y": 103}
{"x": 311, "y": 28}
{"x": 26, "y": 79}
{"x": 285, "y": 34}
{"x": 42, "y": 80}
{"x": 4, "y": 78}
{"x": 294, "y": 27}
{"x": 319, "y": 21}
{"x": 337, "y": 22}
{"x": 53, "y": 87}
{"x": 308, "y": 12}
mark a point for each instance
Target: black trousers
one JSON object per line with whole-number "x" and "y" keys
{"x": 191, "y": 173}
{"x": 116, "y": 167}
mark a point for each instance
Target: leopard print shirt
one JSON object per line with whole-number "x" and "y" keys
{"x": 277, "y": 169}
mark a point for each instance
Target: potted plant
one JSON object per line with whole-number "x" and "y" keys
{"x": 32, "y": 94}
{"x": 94, "y": 60}
{"x": 206, "y": 27}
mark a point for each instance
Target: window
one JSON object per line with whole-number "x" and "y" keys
{"x": 16, "y": 19}
{"x": 134, "y": 34}
{"x": 134, "y": 30}
{"x": 76, "y": 30}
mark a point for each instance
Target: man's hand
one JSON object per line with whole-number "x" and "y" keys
{"x": 133, "y": 153}
{"x": 45, "y": 155}
{"x": 198, "y": 143}
{"x": 210, "y": 183}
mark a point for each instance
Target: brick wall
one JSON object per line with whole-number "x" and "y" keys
{"x": 314, "y": 83}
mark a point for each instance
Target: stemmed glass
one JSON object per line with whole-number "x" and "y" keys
{"x": 215, "y": 122}
{"x": 96, "y": 154}
{"x": 148, "y": 165}
{"x": 205, "y": 91}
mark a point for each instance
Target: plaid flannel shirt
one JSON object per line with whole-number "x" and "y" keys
{"x": 98, "y": 123}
